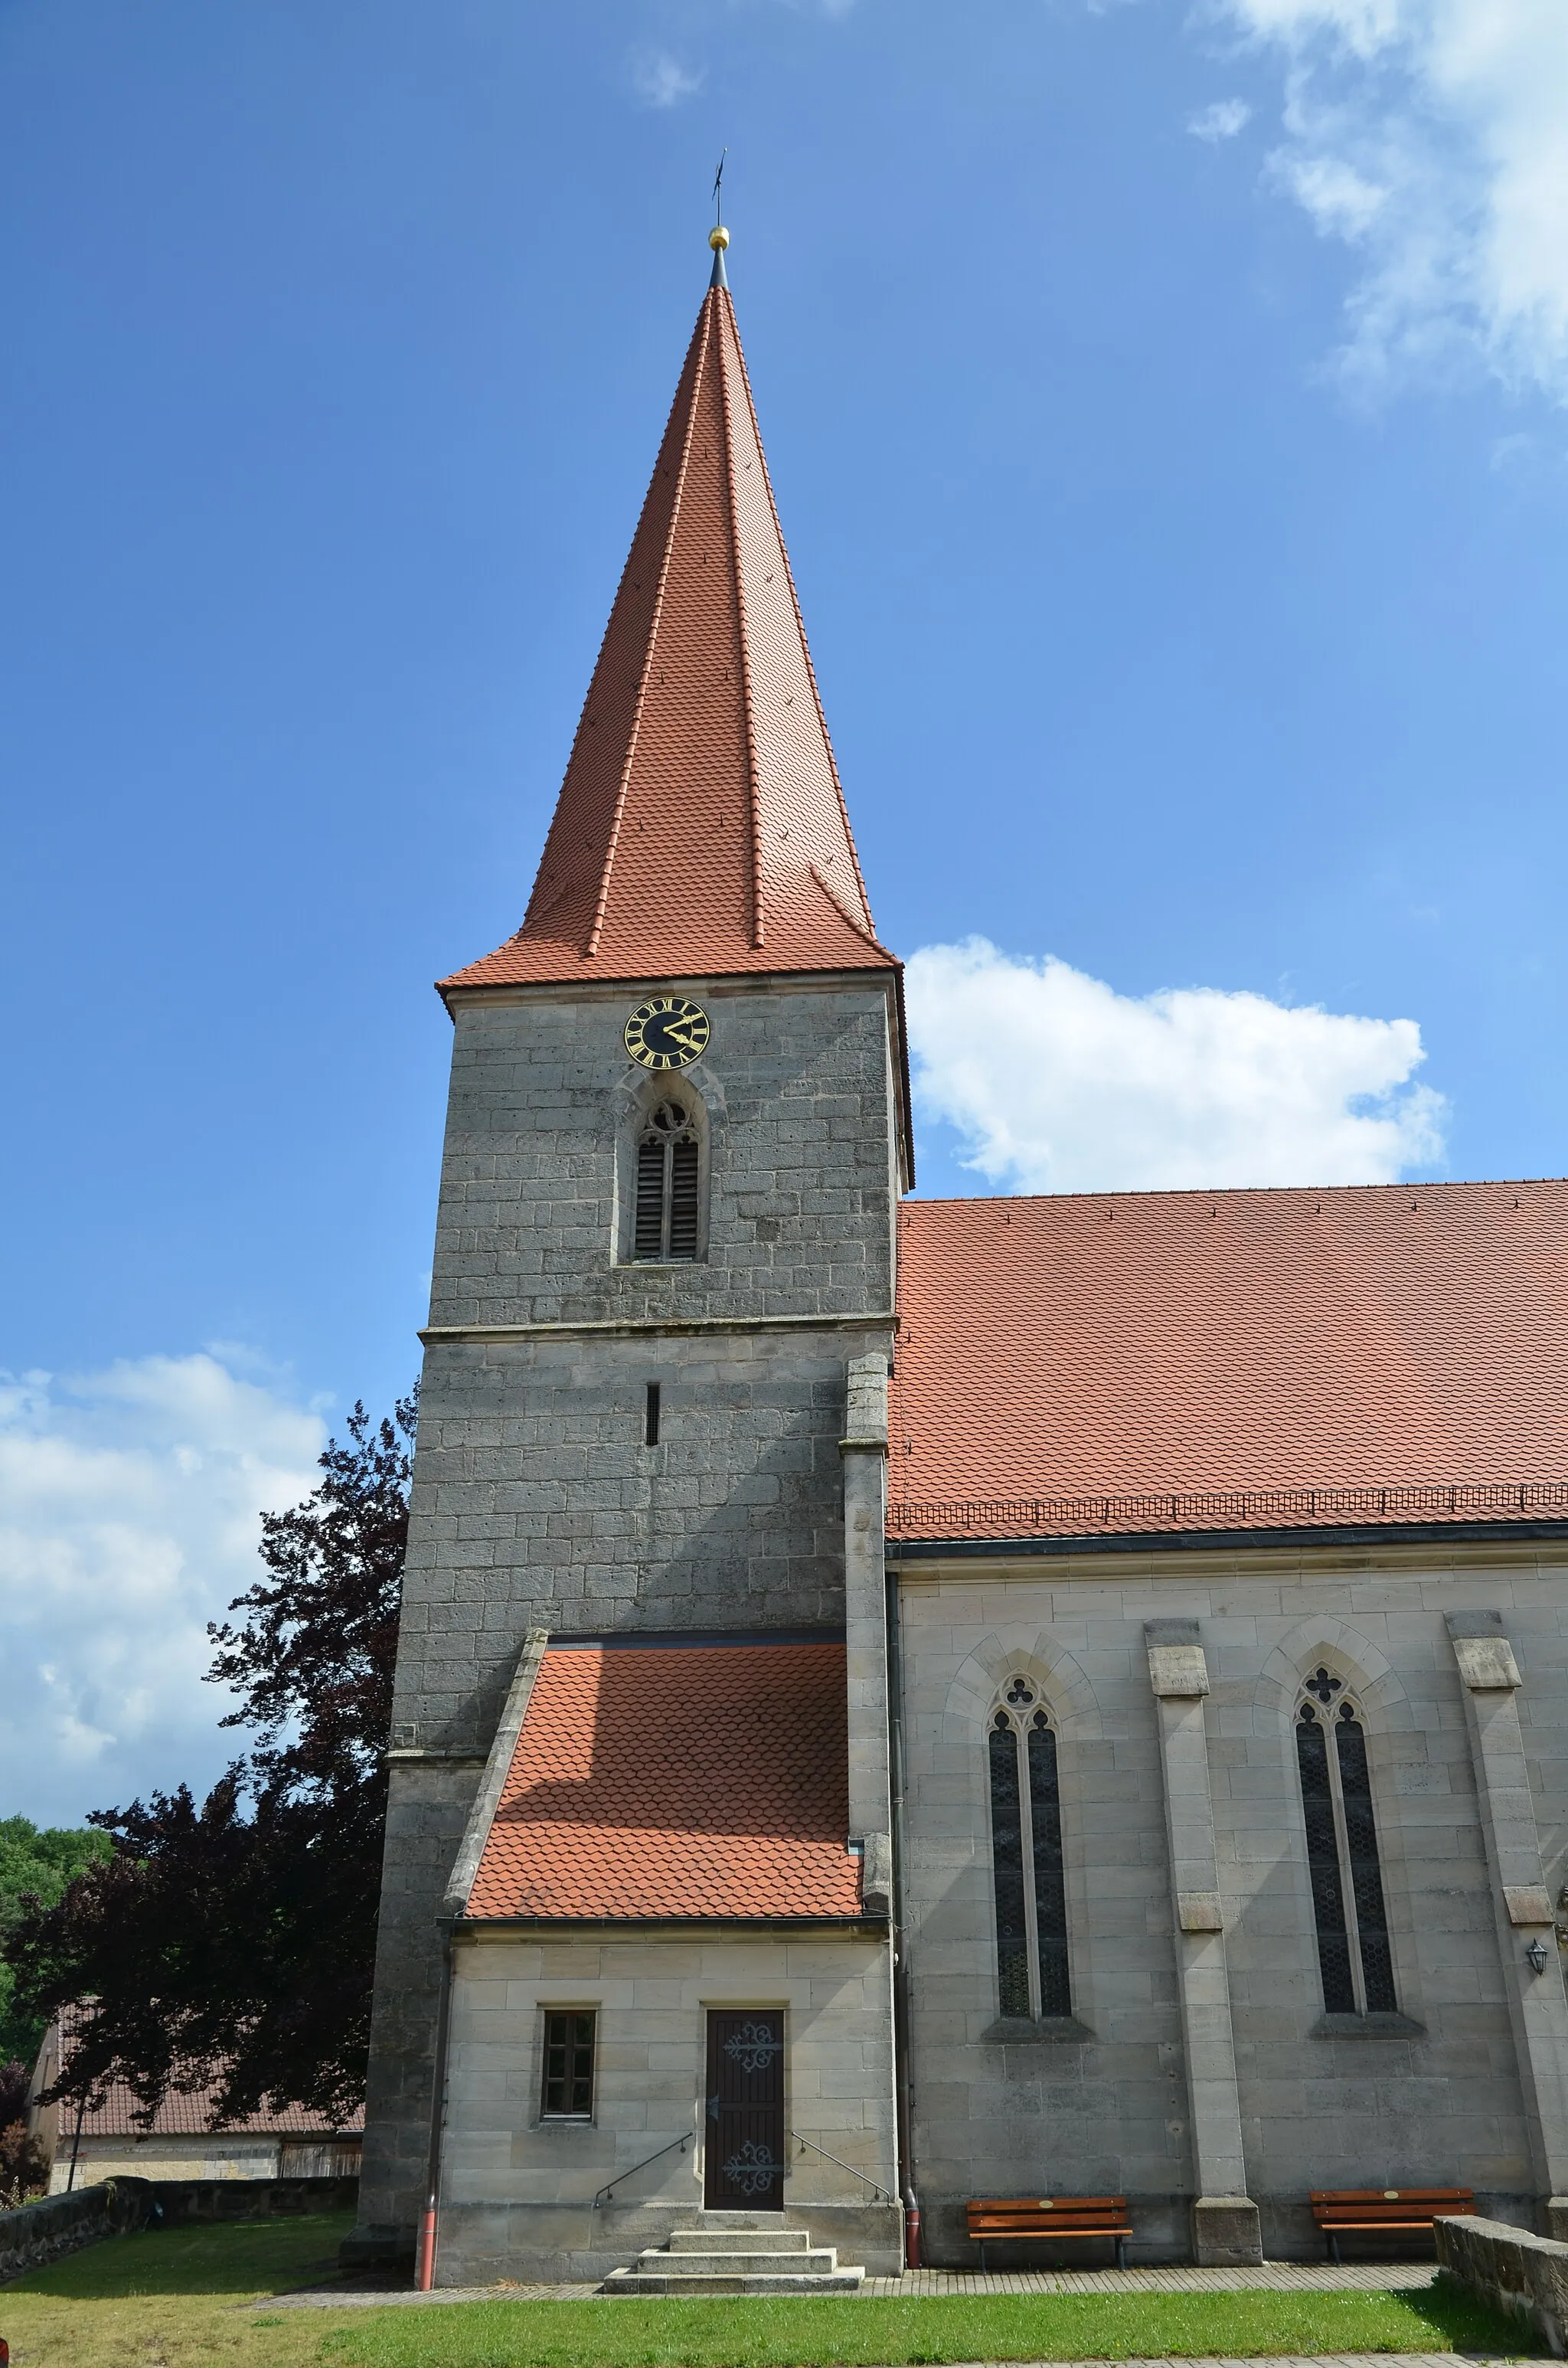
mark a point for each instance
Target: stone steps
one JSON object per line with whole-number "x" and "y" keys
{"x": 746, "y": 2259}
{"x": 746, "y": 2238}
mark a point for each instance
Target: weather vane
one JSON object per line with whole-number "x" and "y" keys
{"x": 719, "y": 237}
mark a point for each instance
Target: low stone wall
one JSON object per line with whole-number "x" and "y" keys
{"x": 1510, "y": 2269}
{"x": 57, "y": 2225}
{"x": 181, "y": 2201}
{"x": 46, "y": 2231}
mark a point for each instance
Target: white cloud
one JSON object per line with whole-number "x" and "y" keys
{"x": 129, "y": 1505}
{"x": 662, "y": 80}
{"x": 1432, "y": 135}
{"x": 1222, "y": 120}
{"x": 1056, "y": 1083}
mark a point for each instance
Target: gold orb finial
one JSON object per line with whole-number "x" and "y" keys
{"x": 718, "y": 238}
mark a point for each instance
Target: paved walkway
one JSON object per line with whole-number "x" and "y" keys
{"x": 1271, "y": 2277}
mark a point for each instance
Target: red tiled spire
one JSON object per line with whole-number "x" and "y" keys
{"x": 700, "y": 827}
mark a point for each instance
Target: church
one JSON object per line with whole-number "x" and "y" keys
{"x": 902, "y": 1701}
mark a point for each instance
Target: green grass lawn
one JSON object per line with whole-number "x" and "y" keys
{"x": 784, "y": 2333}
{"x": 173, "y": 2298}
{"x": 188, "y": 2298}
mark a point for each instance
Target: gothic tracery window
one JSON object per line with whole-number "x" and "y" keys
{"x": 666, "y": 1216}
{"x": 1028, "y": 1877}
{"x": 1354, "y": 1956}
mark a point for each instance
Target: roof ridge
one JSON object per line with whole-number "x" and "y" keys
{"x": 705, "y": 321}
{"x": 870, "y": 931}
{"x": 748, "y": 717}
{"x": 1212, "y": 1192}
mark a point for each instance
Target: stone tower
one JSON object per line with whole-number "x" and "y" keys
{"x": 662, "y": 1241}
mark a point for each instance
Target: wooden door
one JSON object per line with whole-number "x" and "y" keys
{"x": 743, "y": 2164}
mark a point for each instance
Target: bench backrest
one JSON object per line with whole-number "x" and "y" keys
{"x": 1038, "y": 2214}
{"x": 1375, "y": 2203}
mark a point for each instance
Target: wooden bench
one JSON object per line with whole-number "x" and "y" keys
{"x": 1007, "y": 2218}
{"x": 1341, "y": 2210}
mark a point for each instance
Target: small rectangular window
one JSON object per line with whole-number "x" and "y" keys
{"x": 651, "y": 1428}
{"x": 568, "y": 2067}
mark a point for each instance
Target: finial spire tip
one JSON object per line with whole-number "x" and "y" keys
{"x": 719, "y": 237}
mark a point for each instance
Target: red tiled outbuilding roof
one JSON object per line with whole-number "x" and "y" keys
{"x": 676, "y": 1781}
{"x": 1356, "y": 1353}
{"x": 189, "y": 2113}
{"x": 701, "y": 829}
{"x": 185, "y": 2113}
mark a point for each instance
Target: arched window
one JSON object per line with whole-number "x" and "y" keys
{"x": 1342, "y": 1851}
{"x": 1025, "y": 1857}
{"x": 667, "y": 1217}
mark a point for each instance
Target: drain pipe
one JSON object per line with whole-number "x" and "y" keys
{"x": 899, "y": 1935}
{"x": 425, "y": 2262}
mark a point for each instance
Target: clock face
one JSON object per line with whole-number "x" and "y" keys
{"x": 666, "y": 1033}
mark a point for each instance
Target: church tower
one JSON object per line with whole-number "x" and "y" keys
{"x": 639, "y": 1768}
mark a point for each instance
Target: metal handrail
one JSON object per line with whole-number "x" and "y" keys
{"x": 605, "y": 2193}
{"x": 850, "y": 2167}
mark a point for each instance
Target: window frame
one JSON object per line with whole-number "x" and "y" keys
{"x": 1020, "y": 1707}
{"x": 1342, "y": 1708}
{"x": 570, "y": 2073}
{"x": 680, "y": 1195}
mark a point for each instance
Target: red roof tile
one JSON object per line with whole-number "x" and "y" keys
{"x": 1364, "y": 1339}
{"x": 700, "y": 829}
{"x": 676, "y": 1781}
{"x": 187, "y": 2113}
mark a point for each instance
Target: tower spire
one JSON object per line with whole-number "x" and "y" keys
{"x": 701, "y": 829}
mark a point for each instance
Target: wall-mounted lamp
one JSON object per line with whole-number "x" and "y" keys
{"x": 1535, "y": 1952}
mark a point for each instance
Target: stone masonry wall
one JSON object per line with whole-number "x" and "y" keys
{"x": 795, "y": 1085}
{"x": 537, "y": 1503}
{"x": 518, "y": 2193}
{"x": 1432, "y": 2096}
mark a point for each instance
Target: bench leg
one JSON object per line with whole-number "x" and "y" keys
{"x": 1334, "y": 2247}
{"x": 983, "y": 2257}
{"x": 1122, "y": 2252}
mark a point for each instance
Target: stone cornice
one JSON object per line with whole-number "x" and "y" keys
{"x": 441, "y": 1335}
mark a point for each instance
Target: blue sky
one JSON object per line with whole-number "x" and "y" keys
{"x": 1165, "y": 409}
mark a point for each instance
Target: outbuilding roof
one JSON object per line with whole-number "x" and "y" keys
{"x": 681, "y": 1781}
{"x": 184, "y": 2113}
{"x": 1150, "y": 1361}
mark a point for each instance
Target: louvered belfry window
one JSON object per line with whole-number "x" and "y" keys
{"x": 1027, "y": 1871}
{"x": 666, "y": 1223}
{"x": 1354, "y": 1955}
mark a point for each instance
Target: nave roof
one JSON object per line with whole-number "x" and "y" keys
{"x": 1150, "y": 1361}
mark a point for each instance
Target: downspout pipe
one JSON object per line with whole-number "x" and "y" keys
{"x": 903, "y": 2108}
{"x": 425, "y": 2264}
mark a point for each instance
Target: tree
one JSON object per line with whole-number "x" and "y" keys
{"x": 233, "y": 1945}
{"x": 23, "y": 2171}
{"x": 35, "y": 1863}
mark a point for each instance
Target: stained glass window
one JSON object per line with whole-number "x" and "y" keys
{"x": 1354, "y": 1956}
{"x": 1029, "y": 1875}
{"x": 1007, "y": 1862}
